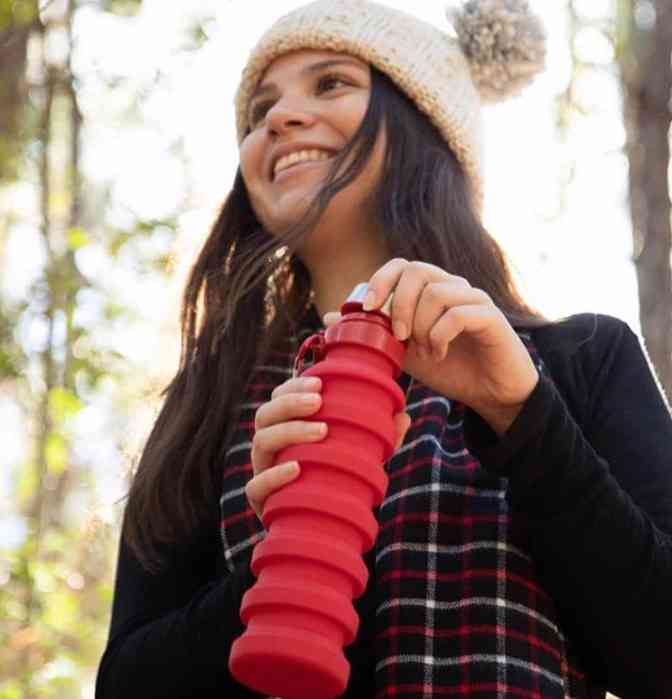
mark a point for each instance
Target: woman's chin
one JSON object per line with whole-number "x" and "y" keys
{"x": 286, "y": 218}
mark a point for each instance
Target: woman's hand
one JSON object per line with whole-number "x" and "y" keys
{"x": 285, "y": 420}
{"x": 459, "y": 343}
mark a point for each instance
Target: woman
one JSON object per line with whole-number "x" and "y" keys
{"x": 525, "y": 542}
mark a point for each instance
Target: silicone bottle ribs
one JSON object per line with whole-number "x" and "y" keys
{"x": 309, "y": 568}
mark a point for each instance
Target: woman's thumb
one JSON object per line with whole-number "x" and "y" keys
{"x": 331, "y": 318}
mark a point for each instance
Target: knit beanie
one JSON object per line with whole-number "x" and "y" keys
{"x": 495, "y": 49}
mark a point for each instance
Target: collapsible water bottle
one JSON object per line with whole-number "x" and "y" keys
{"x": 299, "y": 612}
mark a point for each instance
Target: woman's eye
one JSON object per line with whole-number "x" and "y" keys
{"x": 258, "y": 112}
{"x": 327, "y": 79}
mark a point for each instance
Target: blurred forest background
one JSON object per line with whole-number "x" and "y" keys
{"x": 117, "y": 145}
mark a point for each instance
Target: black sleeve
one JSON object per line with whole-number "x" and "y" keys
{"x": 599, "y": 505}
{"x": 171, "y": 633}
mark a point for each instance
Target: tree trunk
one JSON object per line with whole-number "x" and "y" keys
{"x": 647, "y": 81}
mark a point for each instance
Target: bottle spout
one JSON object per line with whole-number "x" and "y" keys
{"x": 358, "y": 293}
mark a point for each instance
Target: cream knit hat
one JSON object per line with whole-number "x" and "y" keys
{"x": 496, "y": 49}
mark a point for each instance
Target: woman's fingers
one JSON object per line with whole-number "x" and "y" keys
{"x": 273, "y": 478}
{"x": 269, "y": 440}
{"x": 286, "y": 407}
{"x": 298, "y": 384}
{"x": 330, "y": 318}
{"x": 268, "y": 481}
{"x": 278, "y": 424}
{"x": 403, "y": 422}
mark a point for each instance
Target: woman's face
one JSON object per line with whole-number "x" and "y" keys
{"x": 311, "y": 103}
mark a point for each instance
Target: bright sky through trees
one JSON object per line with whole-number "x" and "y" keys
{"x": 570, "y": 260}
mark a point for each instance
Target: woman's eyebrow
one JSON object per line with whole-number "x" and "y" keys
{"x": 313, "y": 68}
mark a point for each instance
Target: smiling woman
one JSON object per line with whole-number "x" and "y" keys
{"x": 313, "y": 115}
{"x": 525, "y": 541}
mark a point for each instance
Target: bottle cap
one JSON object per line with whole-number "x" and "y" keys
{"x": 360, "y": 291}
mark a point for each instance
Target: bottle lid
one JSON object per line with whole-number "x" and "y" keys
{"x": 360, "y": 291}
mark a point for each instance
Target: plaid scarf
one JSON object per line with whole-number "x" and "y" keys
{"x": 459, "y": 609}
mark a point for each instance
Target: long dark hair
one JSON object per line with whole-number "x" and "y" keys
{"x": 247, "y": 290}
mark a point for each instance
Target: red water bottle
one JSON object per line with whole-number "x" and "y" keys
{"x": 299, "y": 613}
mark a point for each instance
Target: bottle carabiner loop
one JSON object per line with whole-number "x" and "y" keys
{"x": 315, "y": 343}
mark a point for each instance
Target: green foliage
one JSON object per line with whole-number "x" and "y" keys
{"x": 125, "y": 8}
{"x": 6, "y": 13}
{"x": 196, "y": 36}
{"x": 60, "y": 611}
{"x": 77, "y": 238}
{"x": 56, "y": 581}
{"x": 25, "y": 11}
{"x": 56, "y": 452}
{"x": 10, "y": 154}
{"x": 26, "y": 483}
{"x": 10, "y": 690}
{"x": 117, "y": 240}
{"x": 12, "y": 356}
{"x": 17, "y": 13}
{"x": 17, "y": 20}
{"x": 63, "y": 404}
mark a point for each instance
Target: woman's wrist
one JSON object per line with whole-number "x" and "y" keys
{"x": 501, "y": 420}
{"x": 501, "y": 417}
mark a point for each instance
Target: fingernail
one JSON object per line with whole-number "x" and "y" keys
{"x": 369, "y": 301}
{"x": 291, "y": 467}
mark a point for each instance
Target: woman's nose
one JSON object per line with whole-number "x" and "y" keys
{"x": 287, "y": 113}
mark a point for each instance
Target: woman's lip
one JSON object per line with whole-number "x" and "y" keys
{"x": 298, "y": 166}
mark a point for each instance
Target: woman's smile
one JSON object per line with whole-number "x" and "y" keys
{"x": 298, "y": 167}
{"x": 309, "y": 105}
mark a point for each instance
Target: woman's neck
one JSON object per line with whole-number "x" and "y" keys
{"x": 334, "y": 277}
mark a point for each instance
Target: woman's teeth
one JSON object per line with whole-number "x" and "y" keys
{"x": 299, "y": 157}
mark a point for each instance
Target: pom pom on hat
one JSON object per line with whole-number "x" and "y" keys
{"x": 504, "y": 42}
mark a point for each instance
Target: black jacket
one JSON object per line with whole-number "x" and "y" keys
{"x": 589, "y": 462}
